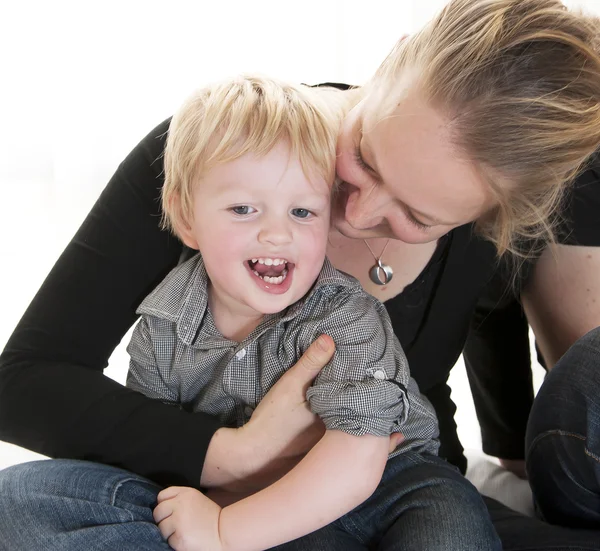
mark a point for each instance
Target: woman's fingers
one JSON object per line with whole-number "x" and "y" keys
{"x": 302, "y": 374}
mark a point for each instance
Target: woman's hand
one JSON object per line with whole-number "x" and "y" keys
{"x": 281, "y": 431}
{"x": 188, "y": 520}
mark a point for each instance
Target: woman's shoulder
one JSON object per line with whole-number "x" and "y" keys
{"x": 580, "y": 224}
{"x": 150, "y": 149}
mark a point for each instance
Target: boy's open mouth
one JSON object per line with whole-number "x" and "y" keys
{"x": 270, "y": 270}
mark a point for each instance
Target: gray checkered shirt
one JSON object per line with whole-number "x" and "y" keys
{"x": 178, "y": 356}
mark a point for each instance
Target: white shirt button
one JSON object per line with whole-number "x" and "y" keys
{"x": 379, "y": 374}
{"x": 248, "y": 411}
{"x": 240, "y": 354}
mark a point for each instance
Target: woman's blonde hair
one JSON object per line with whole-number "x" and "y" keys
{"x": 246, "y": 114}
{"x": 519, "y": 83}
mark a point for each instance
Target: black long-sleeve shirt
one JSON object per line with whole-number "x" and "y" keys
{"x": 54, "y": 398}
{"x": 497, "y": 354}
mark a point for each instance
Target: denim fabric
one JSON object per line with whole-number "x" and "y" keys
{"x": 422, "y": 503}
{"x": 66, "y": 505}
{"x": 563, "y": 439}
{"x": 71, "y": 505}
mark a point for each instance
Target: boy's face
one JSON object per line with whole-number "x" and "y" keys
{"x": 261, "y": 226}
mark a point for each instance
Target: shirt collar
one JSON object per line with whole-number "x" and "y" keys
{"x": 182, "y": 296}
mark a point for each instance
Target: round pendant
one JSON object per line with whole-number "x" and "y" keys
{"x": 381, "y": 274}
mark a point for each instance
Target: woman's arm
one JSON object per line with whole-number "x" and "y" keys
{"x": 54, "y": 398}
{"x": 562, "y": 296}
{"x": 498, "y": 363}
{"x": 562, "y": 299}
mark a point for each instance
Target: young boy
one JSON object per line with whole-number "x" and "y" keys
{"x": 249, "y": 168}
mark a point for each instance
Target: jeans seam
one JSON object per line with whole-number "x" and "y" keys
{"x": 115, "y": 490}
{"x": 557, "y": 432}
{"x": 591, "y": 454}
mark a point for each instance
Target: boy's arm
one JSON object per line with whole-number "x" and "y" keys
{"x": 338, "y": 474}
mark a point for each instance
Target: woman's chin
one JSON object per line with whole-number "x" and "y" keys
{"x": 347, "y": 230}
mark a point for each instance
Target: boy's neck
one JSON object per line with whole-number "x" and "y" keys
{"x": 233, "y": 323}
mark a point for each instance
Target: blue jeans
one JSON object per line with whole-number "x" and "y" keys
{"x": 563, "y": 439}
{"x": 422, "y": 503}
{"x": 562, "y": 447}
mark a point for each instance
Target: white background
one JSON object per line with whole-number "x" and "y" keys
{"x": 82, "y": 82}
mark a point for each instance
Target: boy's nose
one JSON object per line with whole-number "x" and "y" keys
{"x": 275, "y": 233}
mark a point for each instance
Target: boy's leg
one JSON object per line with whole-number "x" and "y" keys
{"x": 563, "y": 438}
{"x": 330, "y": 538}
{"x": 422, "y": 503}
{"x": 73, "y": 505}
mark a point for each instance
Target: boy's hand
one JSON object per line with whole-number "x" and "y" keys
{"x": 188, "y": 520}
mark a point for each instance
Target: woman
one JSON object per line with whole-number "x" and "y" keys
{"x": 475, "y": 123}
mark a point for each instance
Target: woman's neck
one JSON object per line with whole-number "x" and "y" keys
{"x": 354, "y": 257}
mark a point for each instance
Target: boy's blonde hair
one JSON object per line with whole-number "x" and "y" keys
{"x": 246, "y": 114}
{"x": 519, "y": 83}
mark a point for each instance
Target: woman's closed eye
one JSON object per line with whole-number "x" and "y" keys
{"x": 415, "y": 222}
{"x": 360, "y": 161}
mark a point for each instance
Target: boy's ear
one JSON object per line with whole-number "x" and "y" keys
{"x": 180, "y": 224}
{"x": 185, "y": 234}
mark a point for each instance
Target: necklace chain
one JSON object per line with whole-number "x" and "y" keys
{"x": 377, "y": 258}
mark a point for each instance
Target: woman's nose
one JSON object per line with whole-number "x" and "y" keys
{"x": 365, "y": 209}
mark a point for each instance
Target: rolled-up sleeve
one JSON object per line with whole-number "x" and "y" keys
{"x": 363, "y": 389}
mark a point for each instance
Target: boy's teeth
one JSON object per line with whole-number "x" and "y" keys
{"x": 272, "y": 280}
{"x": 269, "y": 261}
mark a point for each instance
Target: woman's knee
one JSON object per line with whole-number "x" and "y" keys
{"x": 568, "y": 398}
{"x": 563, "y": 438}
{"x": 578, "y": 369}
{"x": 20, "y": 482}
{"x": 74, "y": 503}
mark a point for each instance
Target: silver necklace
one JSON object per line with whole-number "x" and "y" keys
{"x": 380, "y": 273}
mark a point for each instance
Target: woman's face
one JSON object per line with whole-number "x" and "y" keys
{"x": 401, "y": 177}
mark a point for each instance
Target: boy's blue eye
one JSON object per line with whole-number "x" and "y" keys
{"x": 301, "y": 213}
{"x": 242, "y": 209}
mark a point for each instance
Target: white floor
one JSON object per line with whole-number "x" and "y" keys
{"x": 37, "y": 223}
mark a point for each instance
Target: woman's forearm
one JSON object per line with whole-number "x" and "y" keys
{"x": 322, "y": 487}
{"x": 54, "y": 398}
